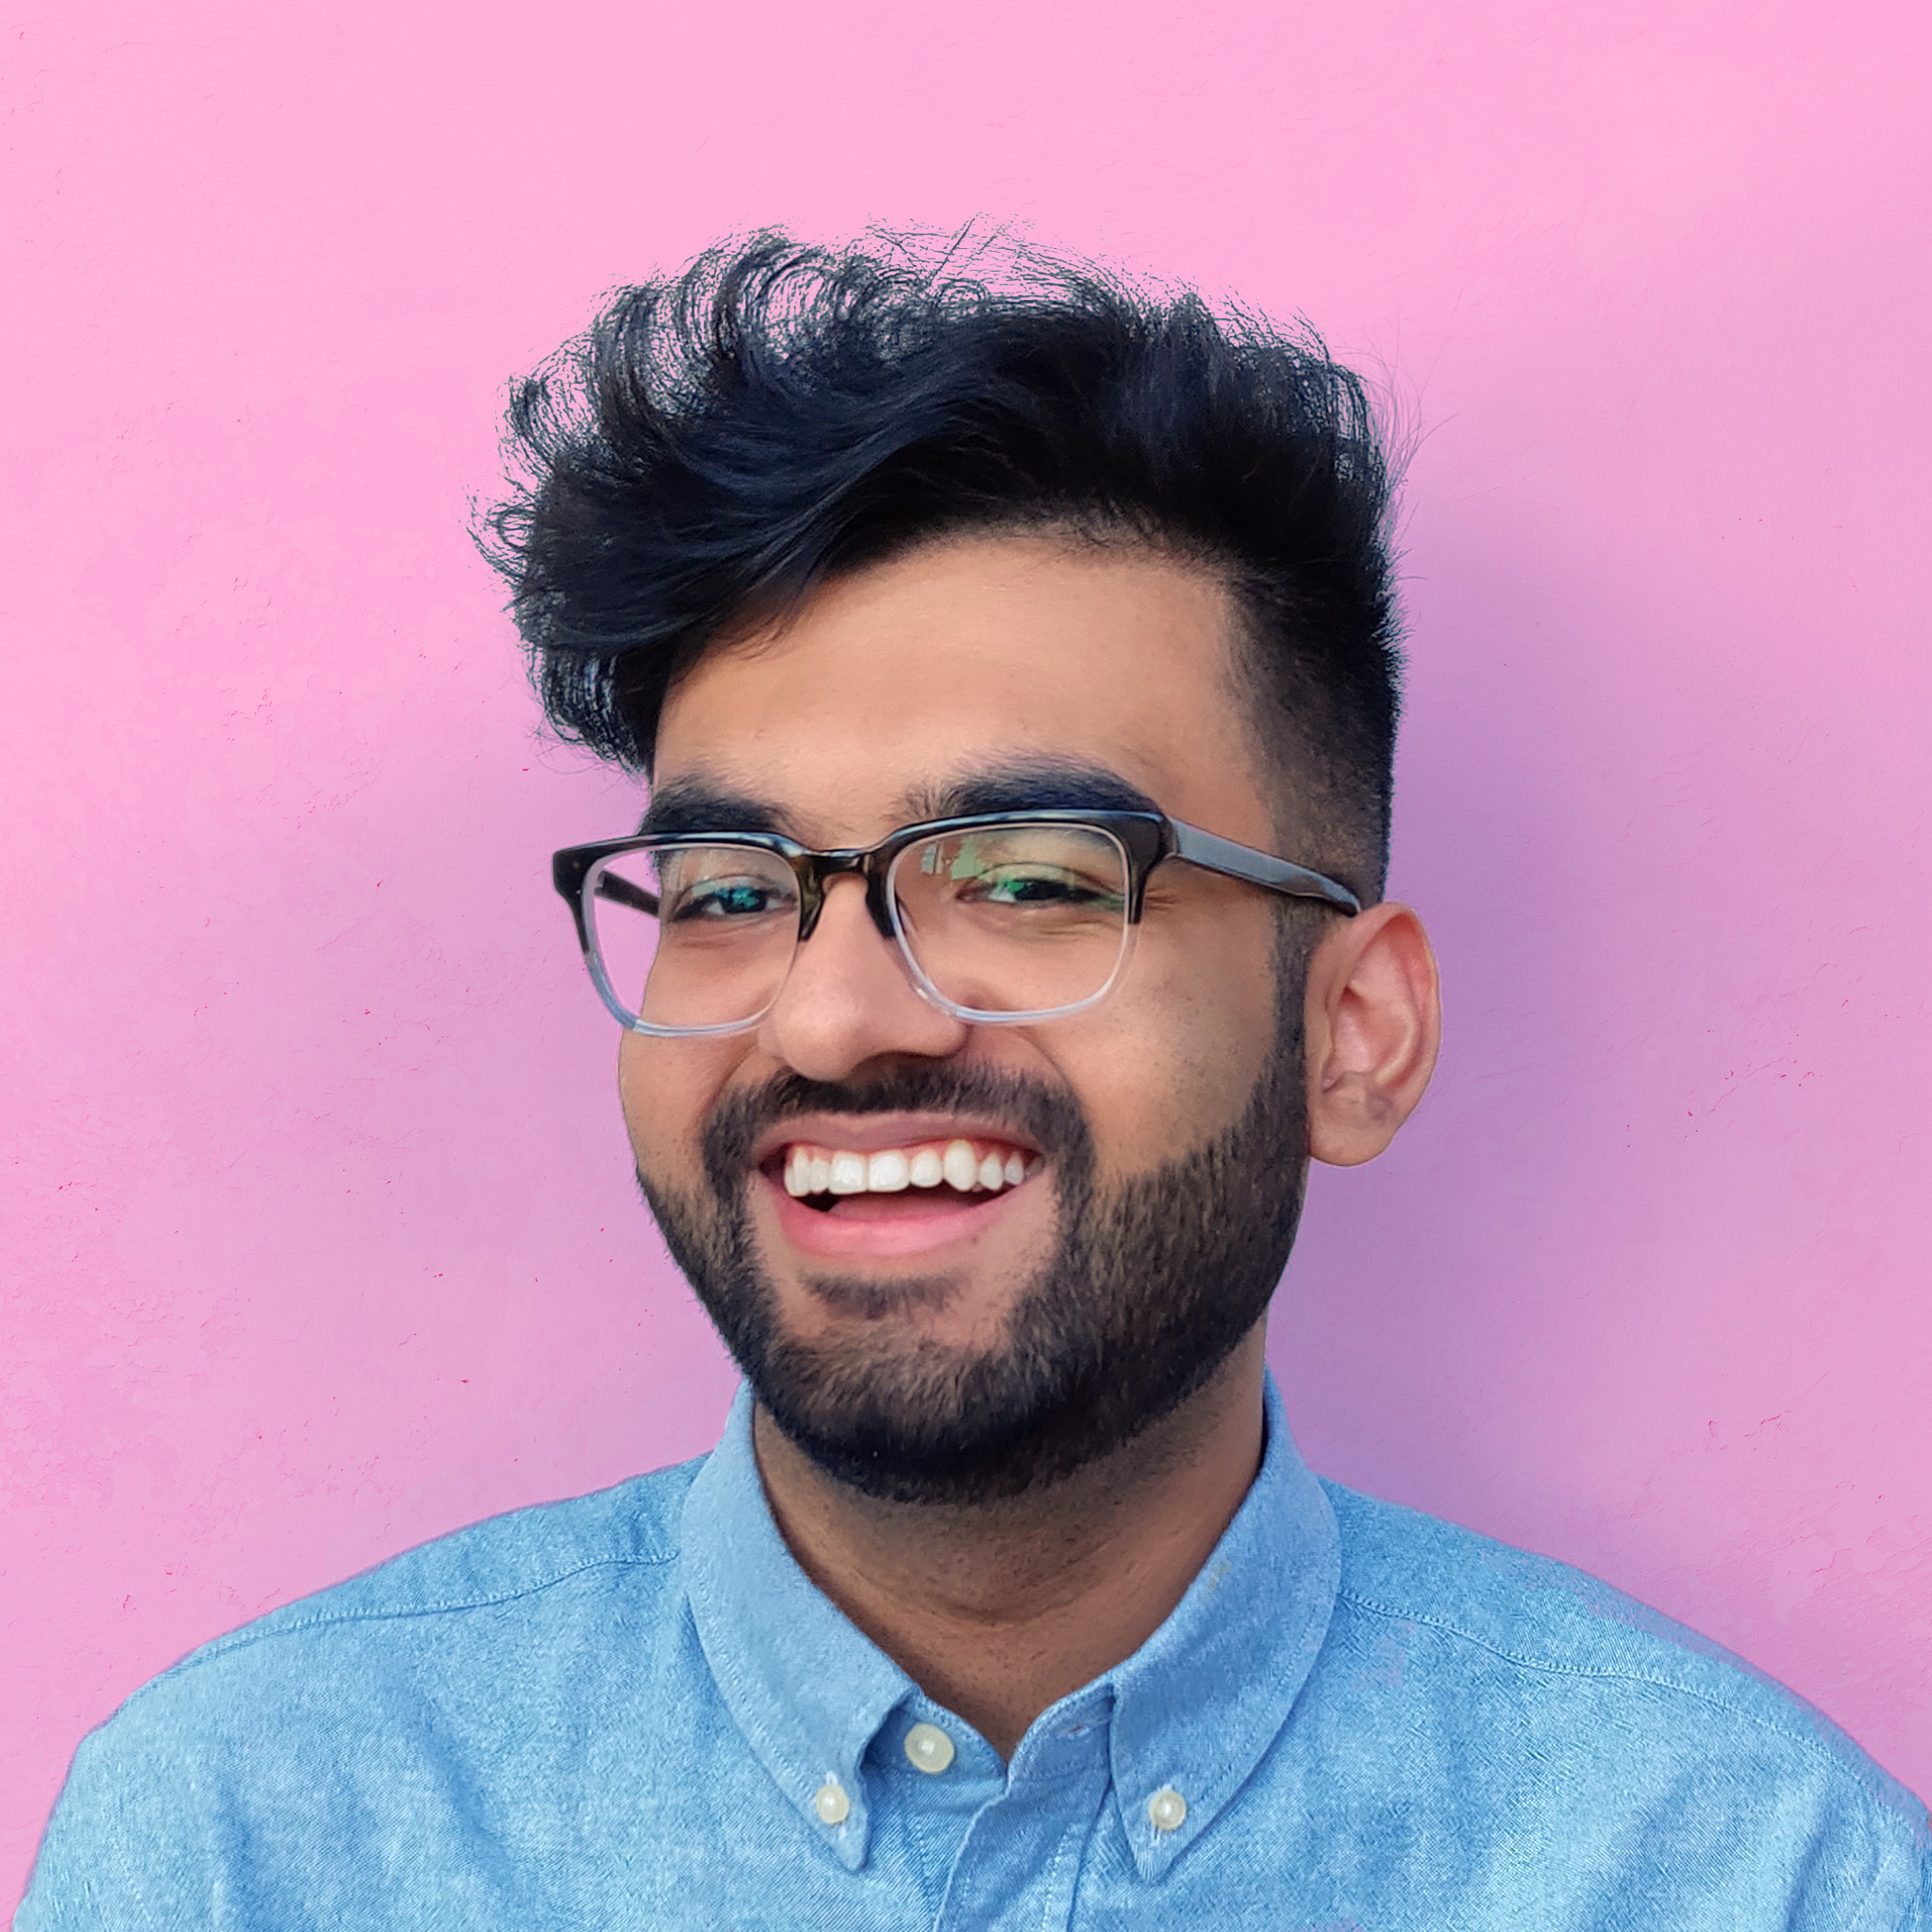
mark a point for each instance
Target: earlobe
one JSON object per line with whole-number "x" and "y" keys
{"x": 1375, "y": 1024}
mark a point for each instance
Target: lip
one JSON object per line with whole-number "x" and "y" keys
{"x": 872, "y": 1132}
{"x": 956, "y": 1224}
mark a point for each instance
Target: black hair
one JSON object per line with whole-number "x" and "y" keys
{"x": 720, "y": 442}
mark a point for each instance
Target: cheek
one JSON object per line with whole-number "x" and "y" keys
{"x": 667, "y": 1088}
{"x": 1185, "y": 1038}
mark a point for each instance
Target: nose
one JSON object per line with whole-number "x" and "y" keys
{"x": 850, "y": 1000}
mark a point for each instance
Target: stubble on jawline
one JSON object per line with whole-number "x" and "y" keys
{"x": 1144, "y": 1291}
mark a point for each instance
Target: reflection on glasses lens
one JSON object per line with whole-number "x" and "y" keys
{"x": 692, "y": 937}
{"x": 1016, "y": 919}
{"x": 1005, "y": 921}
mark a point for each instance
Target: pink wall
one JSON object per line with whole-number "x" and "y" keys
{"x": 320, "y": 1236}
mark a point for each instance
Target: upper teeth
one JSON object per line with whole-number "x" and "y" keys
{"x": 960, "y": 1164}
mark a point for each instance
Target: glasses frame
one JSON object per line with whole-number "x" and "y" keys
{"x": 1147, "y": 839}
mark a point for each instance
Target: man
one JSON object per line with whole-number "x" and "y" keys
{"x": 1016, "y": 680}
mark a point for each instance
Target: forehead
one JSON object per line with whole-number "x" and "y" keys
{"x": 889, "y": 686}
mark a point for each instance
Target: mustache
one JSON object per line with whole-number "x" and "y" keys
{"x": 1049, "y": 1115}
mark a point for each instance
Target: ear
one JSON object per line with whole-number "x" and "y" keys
{"x": 1374, "y": 1024}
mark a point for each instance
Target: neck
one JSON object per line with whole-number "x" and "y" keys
{"x": 998, "y": 1610}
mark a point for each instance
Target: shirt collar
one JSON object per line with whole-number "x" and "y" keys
{"x": 1201, "y": 1701}
{"x": 1193, "y": 1711}
{"x": 807, "y": 1687}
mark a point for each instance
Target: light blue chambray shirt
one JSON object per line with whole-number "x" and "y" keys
{"x": 634, "y": 1711}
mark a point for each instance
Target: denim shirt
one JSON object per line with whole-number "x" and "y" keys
{"x": 633, "y": 1711}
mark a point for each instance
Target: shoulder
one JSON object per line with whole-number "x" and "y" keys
{"x": 1578, "y": 1667}
{"x": 478, "y": 1587}
{"x": 414, "y": 1678}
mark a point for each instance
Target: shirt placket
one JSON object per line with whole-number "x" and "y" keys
{"x": 1018, "y": 1869}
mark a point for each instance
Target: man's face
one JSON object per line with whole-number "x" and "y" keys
{"x": 939, "y": 1341}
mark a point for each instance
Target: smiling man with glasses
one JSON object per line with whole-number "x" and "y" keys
{"x": 1014, "y": 675}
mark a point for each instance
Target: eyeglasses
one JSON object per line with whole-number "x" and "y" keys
{"x": 1005, "y": 917}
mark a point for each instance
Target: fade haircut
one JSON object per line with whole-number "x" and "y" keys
{"x": 719, "y": 443}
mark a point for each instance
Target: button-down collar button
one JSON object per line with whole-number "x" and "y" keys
{"x": 831, "y": 1803}
{"x": 929, "y": 1748}
{"x": 1167, "y": 1810}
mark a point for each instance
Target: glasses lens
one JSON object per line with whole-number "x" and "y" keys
{"x": 718, "y": 945}
{"x": 1015, "y": 918}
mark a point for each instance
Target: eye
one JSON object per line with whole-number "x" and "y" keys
{"x": 1039, "y": 870}
{"x": 1035, "y": 886}
{"x": 728, "y": 899}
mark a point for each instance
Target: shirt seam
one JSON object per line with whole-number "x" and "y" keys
{"x": 245, "y": 1637}
{"x": 1910, "y": 1914}
{"x": 1812, "y": 1746}
{"x": 135, "y": 1884}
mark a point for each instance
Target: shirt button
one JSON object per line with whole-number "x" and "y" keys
{"x": 1167, "y": 1810}
{"x": 831, "y": 1803}
{"x": 929, "y": 1748}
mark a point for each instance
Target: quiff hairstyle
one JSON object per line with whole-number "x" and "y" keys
{"x": 720, "y": 442}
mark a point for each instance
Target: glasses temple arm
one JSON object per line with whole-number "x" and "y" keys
{"x": 612, "y": 886}
{"x": 1258, "y": 868}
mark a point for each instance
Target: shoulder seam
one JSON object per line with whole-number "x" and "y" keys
{"x": 1811, "y": 1745}
{"x": 382, "y": 1613}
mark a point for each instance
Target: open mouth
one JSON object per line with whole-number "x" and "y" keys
{"x": 882, "y": 1181}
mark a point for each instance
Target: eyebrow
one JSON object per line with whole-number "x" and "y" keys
{"x": 1029, "y": 784}
{"x": 697, "y": 805}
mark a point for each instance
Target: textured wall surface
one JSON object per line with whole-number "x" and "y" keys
{"x": 319, "y": 1234}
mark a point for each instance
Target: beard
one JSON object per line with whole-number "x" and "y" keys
{"x": 1149, "y": 1287}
